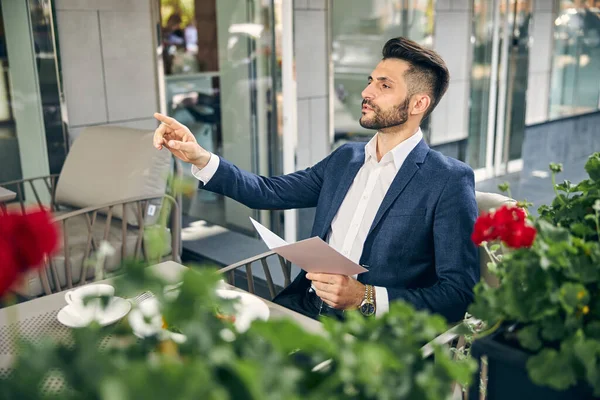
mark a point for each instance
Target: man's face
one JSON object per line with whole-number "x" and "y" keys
{"x": 385, "y": 99}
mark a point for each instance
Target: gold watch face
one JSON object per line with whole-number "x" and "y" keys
{"x": 367, "y": 309}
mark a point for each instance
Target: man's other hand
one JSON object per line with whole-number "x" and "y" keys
{"x": 339, "y": 291}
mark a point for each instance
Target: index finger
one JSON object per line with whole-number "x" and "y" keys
{"x": 320, "y": 277}
{"x": 171, "y": 122}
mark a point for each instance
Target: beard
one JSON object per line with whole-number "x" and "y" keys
{"x": 394, "y": 116}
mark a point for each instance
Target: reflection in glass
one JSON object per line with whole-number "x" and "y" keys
{"x": 518, "y": 66}
{"x": 50, "y": 86}
{"x": 221, "y": 62}
{"x": 483, "y": 19}
{"x": 360, "y": 29}
{"x": 575, "y": 87}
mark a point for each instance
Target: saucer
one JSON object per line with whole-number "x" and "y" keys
{"x": 117, "y": 309}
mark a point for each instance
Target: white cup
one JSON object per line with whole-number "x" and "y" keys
{"x": 92, "y": 309}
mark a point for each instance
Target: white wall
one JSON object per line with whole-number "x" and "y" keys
{"x": 108, "y": 62}
{"x": 540, "y": 62}
{"x": 450, "y": 120}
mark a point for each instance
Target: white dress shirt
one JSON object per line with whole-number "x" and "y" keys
{"x": 353, "y": 220}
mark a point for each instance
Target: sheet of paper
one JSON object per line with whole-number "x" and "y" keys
{"x": 312, "y": 255}
{"x": 271, "y": 240}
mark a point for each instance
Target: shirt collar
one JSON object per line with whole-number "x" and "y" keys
{"x": 398, "y": 153}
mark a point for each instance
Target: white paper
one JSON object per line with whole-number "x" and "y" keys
{"x": 271, "y": 240}
{"x": 312, "y": 255}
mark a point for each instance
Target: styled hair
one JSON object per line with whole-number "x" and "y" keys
{"x": 427, "y": 72}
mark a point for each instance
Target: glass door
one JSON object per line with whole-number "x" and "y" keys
{"x": 220, "y": 62}
{"x": 498, "y": 85}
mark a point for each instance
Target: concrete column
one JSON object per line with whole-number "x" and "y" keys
{"x": 108, "y": 62}
{"x": 311, "y": 32}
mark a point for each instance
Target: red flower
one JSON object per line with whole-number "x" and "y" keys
{"x": 508, "y": 223}
{"x": 9, "y": 270}
{"x": 483, "y": 230}
{"x": 521, "y": 236}
{"x": 24, "y": 242}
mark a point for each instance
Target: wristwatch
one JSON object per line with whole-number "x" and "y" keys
{"x": 367, "y": 307}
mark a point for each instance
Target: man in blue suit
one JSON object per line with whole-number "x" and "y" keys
{"x": 395, "y": 206}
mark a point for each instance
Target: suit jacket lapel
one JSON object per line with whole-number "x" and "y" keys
{"x": 404, "y": 175}
{"x": 357, "y": 161}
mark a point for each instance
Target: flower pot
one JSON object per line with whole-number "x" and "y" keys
{"x": 507, "y": 376}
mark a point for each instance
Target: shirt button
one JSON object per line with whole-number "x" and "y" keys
{"x": 365, "y": 197}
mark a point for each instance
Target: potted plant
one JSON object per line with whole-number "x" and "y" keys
{"x": 543, "y": 340}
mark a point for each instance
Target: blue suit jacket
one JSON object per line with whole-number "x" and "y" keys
{"x": 419, "y": 245}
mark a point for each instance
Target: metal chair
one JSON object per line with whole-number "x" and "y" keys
{"x": 105, "y": 192}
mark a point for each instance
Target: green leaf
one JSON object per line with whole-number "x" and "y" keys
{"x": 552, "y": 233}
{"x": 585, "y": 186}
{"x": 592, "y": 330}
{"x": 549, "y": 368}
{"x": 582, "y": 230}
{"x": 494, "y": 247}
{"x": 524, "y": 204}
{"x": 592, "y": 167}
{"x": 529, "y": 338}
{"x": 588, "y": 352}
{"x": 571, "y": 295}
{"x": 504, "y": 187}
{"x": 553, "y": 328}
{"x": 567, "y": 187}
{"x": 113, "y": 389}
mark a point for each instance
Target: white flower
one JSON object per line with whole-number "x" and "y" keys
{"x": 596, "y": 206}
{"x": 227, "y": 335}
{"x": 147, "y": 321}
{"x": 105, "y": 250}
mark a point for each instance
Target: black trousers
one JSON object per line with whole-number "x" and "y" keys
{"x": 308, "y": 303}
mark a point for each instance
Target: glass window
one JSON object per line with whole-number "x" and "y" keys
{"x": 360, "y": 29}
{"x": 575, "y": 85}
{"x": 221, "y": 73}
{"x": 486, "y": 86}
{"x": 32, "y": 135}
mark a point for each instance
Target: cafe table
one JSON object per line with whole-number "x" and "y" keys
{"x": 37, "y": 319}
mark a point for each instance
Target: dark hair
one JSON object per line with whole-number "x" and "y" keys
{"x": 427, "y": 73}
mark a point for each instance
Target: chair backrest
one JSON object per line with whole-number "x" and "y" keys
{"x": 487, "y": 202}
{"x": 111, "y": 163}
{"x": 114, "y": 183}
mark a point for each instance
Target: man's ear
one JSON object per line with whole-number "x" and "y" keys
{"x": 421, "y": 103}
